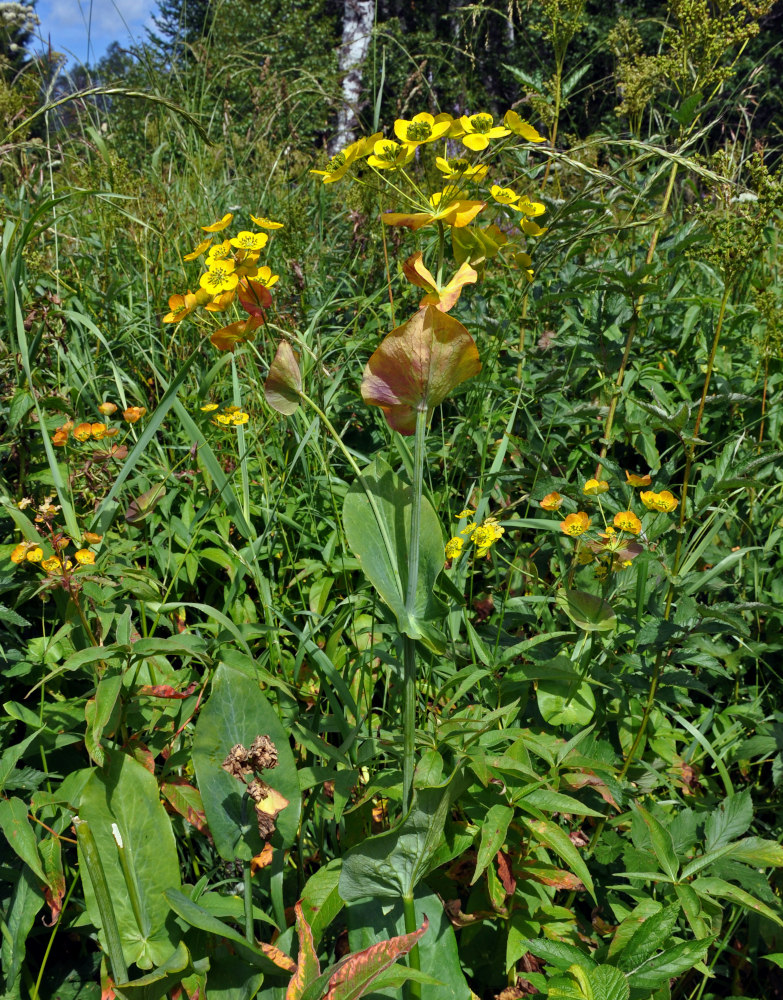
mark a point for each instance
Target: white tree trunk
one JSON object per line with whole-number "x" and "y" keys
{"x": 357, "y": 28}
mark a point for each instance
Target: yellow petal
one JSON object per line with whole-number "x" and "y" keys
{"x": 263, "y": 223}
{"x": 219, "y": 226}
{"x": 198, "y": 251}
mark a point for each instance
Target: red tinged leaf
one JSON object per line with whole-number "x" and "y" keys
{"x": 507, "y": 879}
{"x": 417, "y": 366}
{"x": 546, "y": 874}
{"x": 284, "y": 382}
{"x": 280, "y": 959}
{"x": 166, "y": 691}
{"x": 356, "y": 973}
{"x": 254, "y": 297}
{"x": 184, "y": 799}
{"x": 50, "y": 849}
{"x": 308, "y": 968}
{"x": 227, "y": 337}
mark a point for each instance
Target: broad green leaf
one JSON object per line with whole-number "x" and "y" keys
{"x": 691, "y": 907}
{"x": 124, "y": 795}
{"x": 609, "y": 983}
{"x": 494, "y": 827}
{"x": 657, "y": 971}
{"x": 560, "y": 954}
{"x": 758, "y": 852}
{"x": 321, "y": 900}
{"x": 662, "y": 844}
{"x": 721, "y": 889}
{"x": 390, "y": 865}
{"x": 163, "y": 979}
{"x": 548, "y": 801}
{"x": 729, "y": 820}
{"x": 651, "y": 935}
{"x": 554, "y": 837}
{"x": 382, "y": 548}
{"x": 142, "y": 507}
{"x": 417, "y": 365}
{"x": 587, "y": 611}
{"x": 370, "y": 923}
{"x": 565, "y": 703}
{"x": 237, "y": 712}
{"x": 24, "y": 903}
{"x": 565, "y": 988}
{"x": 776, "y": 959}
{"x": 19, "y": 833}
{"x": 98, "y": 712}
{"x": 284, "y": 381}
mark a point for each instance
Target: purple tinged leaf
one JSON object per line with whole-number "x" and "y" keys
{"x": 308, "y": 968}
{"x": 417, "y": 365}
{"x": 284, "y": 382}
{"x": 140, "y": 509}
{"x": 356, "y": 973}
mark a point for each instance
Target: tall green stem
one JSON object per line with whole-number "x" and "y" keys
{"x": 409, "y": 651}
{"x": 413, "y": 989}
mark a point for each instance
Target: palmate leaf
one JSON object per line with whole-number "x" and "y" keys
{"x": 417, "y": 365}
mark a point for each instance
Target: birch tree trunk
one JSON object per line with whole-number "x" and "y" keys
{"x": 357, "y": 28}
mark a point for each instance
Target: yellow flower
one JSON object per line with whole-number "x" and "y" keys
{"x": 51, "y": 565}
{"x": 249, "y": 241}
{"x": 576, "y": 524}
{"x": 84, "y": 557}
{"x": 220, "y": 251}
{"x": 448, "y": 207}
{"x": 454, "y": 547}
{"x": 648, "y": 498}
{"x": 223, "y": 418}
{"x": 593, "y": 487}
{"x": 520, "y": 127}
{"x": 530, "y": 208}
{"x": 239, "y": 417}
{"x": 422, "y": 128}
{"x": 479, "y": 129}
{"x": 388, "y": 155}
{"x": 134, "y": 413}
{"x": 465, "y": 513}
{"x": 99, "y": 431}
{"x": 665, "y": 502}
{"x": 82, "y": 432}
{"x": 263, "y": 223}
{"x": 484, "y": 535}
{"x": 626, "y": 520}
{"x": 530, "y": 228}
{"x": 220, "y": 225}
{"x": 198, "y": 251}
{"x": 340, "y": 162}
{"x": 220, "y": 277}
{"x": 209, "y": 407}
{"x": 503, "y": 196}
{"x": 35, "y": 554}
{"x": 633, "y": 480}
{"x": 20, "y": 552}
{"x": 551, "y": 501}
{"x": 460, "y": 169}
{"x": 265, "y": 276}
{"x": 91, "y": 538}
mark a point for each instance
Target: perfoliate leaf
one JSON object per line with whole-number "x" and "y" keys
{"x": 587, "y": 611}
{"x": 227, "y": 337}
{"x": 142, "y": 507}
{"x": 417, "y": 366}
{"x": 284, "y": 382}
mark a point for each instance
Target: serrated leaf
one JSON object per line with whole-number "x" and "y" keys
{"x": 560, "y": 954}
{"x": 657, "y": 971}
{"x": 720, "y": 889}
{"x": 648, "y": 938}
{"x": 609, "y": 983}
{"x": 729, "y": 820}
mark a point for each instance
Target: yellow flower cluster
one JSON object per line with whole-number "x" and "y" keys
{"x": 482, "y": 535}
{"x": 620, "y": 551}
{"x": 231, "y": 272}
{"x": 230, "y": 416}
{"x": 57, "y": 563}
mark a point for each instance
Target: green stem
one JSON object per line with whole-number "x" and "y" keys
{"x": 409, "y": 653}
{"x": 248, "y": 896}
{"x": 412, "y": 988}
{"x": 130, "y": 881}
{"x": 92, "y": 862}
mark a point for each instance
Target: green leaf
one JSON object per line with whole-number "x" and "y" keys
{"x": 98, "y": 712}
{"x": 657, "y": 971}
{"x": 560, "y": 954}
{"x": 19, "y": 834}
{"x": 164, "y": 978}
{"x": 417, "y": 365}
{"x": 382, "y": 548}
{"x": 24, "y": 903}
{"x": 548, "y": 801}
{"x": 494, "y": 827}
{"x": 356, "y": 973}
{"x": 554, "y": 837}
{"x": 587, "y": 611}
{"x": 391, "y": 864}
{"x": 720, "y": 889}
{"x": 648, "y": 938}
{"x": 125, "y": 795}
{"x": 609, "y": 983}
{"x": 730, "y": 820}
{"x": 284, "y": 381}
{"x": 321, "y": 900}
{"x": 565, "y": 702}
{"x": 662, "y": 844}
{"x": 237, "y": 712}
{"x": 142, "y": 508}
{"x": 758, "y": 852}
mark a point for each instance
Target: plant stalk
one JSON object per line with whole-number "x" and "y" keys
{"x": 412, "y": 988}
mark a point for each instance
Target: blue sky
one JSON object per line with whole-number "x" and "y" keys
{"x": 66, "y": 22}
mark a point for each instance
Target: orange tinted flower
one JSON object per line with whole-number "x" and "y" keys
{"x": 551, "y": 501}
{"x": 633, "y": 480}
{"x": 134, "y": 413}
{"x": 82, "y": 432}
{"x": 51, "y": 565}
{"x": 98, "y": 431}
{"x": 20, "y": 552}
{"x": 666, "y": 502}
{"x": 91, "y": 538}
{"x": 60, "y": 437}
{"x": 576, "y": 524}
{"x": 626, "y": 520}
{"x": 107, "y": 408}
